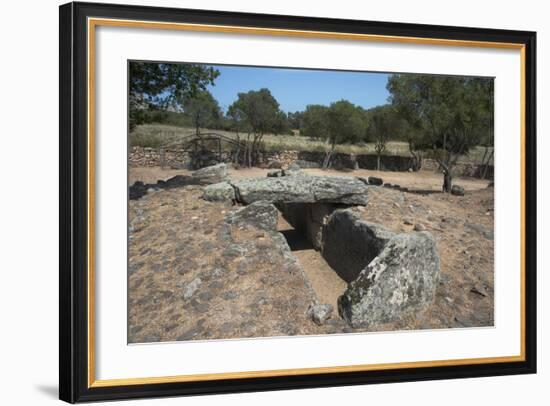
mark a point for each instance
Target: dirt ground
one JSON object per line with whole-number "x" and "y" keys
{"x": 191, "y": 276}
{"x": 428, "y": 180}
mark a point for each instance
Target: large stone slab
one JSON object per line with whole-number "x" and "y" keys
{"x": 301, "y": 189}
{"x": 350, "y": 243}
{"x": 211, "y": 174}
{"x": 400, "y": 281}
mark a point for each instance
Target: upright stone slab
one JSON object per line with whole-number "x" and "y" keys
{"x": 400, "y": 281}
{"x": 350, "y": 243}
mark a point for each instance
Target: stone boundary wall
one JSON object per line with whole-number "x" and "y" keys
{"x": 179, "y": 159}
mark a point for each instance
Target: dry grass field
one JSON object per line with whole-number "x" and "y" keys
{"x": 156, "y": 135}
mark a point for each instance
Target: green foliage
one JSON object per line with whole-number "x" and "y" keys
{"x": 258, "y": 112}
{"x": 163, "y": 85}
{"x": 315, "y": 122}
{"x": 446, "y": 114}
{"x": 202, "y": 109}
{"x": 345, "y": 123}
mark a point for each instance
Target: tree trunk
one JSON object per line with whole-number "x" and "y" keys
{"x": 378, "y": 162}
{"x": 447, "y": 181}
{"x": 486, "y": 165}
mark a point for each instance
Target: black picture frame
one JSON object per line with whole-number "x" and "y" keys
{"x": 74, "y": 199}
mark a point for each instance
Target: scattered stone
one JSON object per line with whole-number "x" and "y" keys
{"x": 457, "y": 190}
{"x": 219, "y": 192}
{"x": 191, "y": 288}
{"x": 373, "y": 180}
{"x": 320, "y": 313}
{"x": 188, "y": 335}
{"x": 301, "y": 189}
{"x": 399, "y": 282}
{"x": 211, "y": 174}
{"x": 419, "y": 227}
{"x": 408, "y": 221}
{"x": 486, "y": 232}
{"x": 478, "y": 290}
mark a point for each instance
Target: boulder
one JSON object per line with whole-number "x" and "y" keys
{"x": 301, "y": 189}
{"x": 320, "y": 313}
{"x": 260, "y": 214}
{"x": 457, "y": 190}
{"x": 211, "y": 174}
{"x": 373, "y": 180}
{"x": 275, "y": 164}
{"x": 219, "y": 192}
{"x": 137, "y": 190}
{"x": 400, "y": 281}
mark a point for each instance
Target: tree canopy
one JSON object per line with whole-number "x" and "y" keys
{"x": 203, "y": 109}
{"x": 449, "y": 114}
{"x": 163, "y": 85}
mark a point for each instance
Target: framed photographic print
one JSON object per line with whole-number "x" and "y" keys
{"x": 258, "y": 202}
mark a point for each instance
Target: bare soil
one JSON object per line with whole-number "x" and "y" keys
{"x": 424, "y": 180}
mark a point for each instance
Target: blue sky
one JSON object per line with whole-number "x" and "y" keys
{"x": 294, "y": 89}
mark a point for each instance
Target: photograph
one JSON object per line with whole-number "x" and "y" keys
{"x": 278, "y": 202}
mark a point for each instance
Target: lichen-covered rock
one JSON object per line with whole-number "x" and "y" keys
{"x": 457, "y": 190}
{"x": 261, "y": 214}
{"x": 401, "y": 280}
{"x": 301, "y": 189}
{"x": 211, "y": 174}
{"x": 320, "y": 313}
{"x": 219, "y": 192}
{"x": 350, "y": 243}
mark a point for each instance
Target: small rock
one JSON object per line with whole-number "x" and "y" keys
{"x": 219, "y": 192}
{"x": 408, "y": 221}
{"x": 191, "y": 288}
{"x": 373, "y": 180}
{"x": 419, "y": 227}
{"x": 478, "y": 290}
{"x": 320, "y": 313}
{"x": 457, "y": 190}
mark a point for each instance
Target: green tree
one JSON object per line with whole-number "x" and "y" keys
{"x": 315, "y": 121}
{"x": 203, "y": 109}
{"x": 345, "y": 124}
{"x": 448, "y": 113}
{"x": 162, "y": 85}
{"x": 383, "y": 125}
{"x": 259, "y": 113}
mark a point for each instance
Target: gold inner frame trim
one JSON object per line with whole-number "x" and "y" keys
{"x": 94, "y": 22}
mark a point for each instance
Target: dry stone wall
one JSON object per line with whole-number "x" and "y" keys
{"x": 178, "y": 159}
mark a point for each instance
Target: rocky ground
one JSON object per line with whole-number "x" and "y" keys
{"x": 194, "y": 276}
